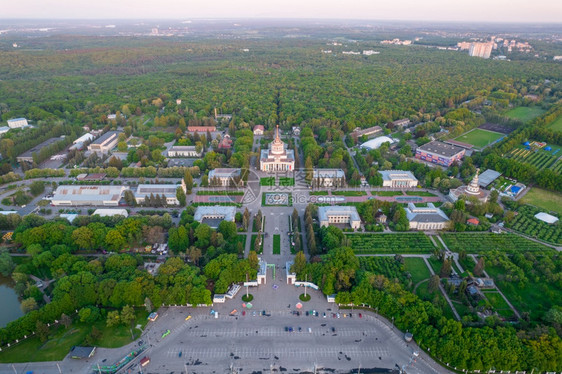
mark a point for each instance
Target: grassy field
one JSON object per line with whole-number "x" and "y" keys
{"x": 268, "y": 182}
{"x": 525, "y": 114}
{"x": 417, "y": 269}
{"x": 387, "y": 193}
{"x": 535, "y": 297}
{"x": 420, "y": 193}
{"x": 543, "y": 199}
{"x": 479, "y": 138}
{"x": 61, "y": 340}
{"x": 349, "y": 193}
{"x": 276, "y": 244}
{"x": 319, "y": 193}
{"x": 286, "y": 182}
{"x": 556, "y": 125}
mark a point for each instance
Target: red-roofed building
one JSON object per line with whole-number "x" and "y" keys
{"x": 226, "y": 142}
{"x": 473, "y": 222}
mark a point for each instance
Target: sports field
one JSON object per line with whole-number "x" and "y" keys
{"x": 479, "y": 138}
{"x": 544, "y": 199}
{"x": 525, "y": 113}
{"x": 556, "y": 125}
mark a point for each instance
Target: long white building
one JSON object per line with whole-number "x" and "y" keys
{"x": 105, "y": 143}
{"x": 184, "y": 151}
{"x": 88, "y": 195}
{"x": 17, "y": 123}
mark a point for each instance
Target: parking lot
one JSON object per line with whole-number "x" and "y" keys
{"x": 249, "y": 341}
{"x": 206, "y": 344}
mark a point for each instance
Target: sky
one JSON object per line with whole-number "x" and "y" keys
{"x": 536, "y": 11}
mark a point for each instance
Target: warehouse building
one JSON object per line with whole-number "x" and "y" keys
{"x": 168, "y": 191}
{"x": 339, "y": 215}
{"x": 111, "y": 212}
{"x": 440, "y": 153}
{"x": 88, "y": 195}
{"x": 105, "y": 143}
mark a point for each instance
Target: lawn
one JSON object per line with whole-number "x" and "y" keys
{"x": 349, "y": 193}
{"x": 390, "y": 243}
{"x": 556, "y": 125}
{"x": 276, "y": 244}
{"x": 420, "y": 193}
{"x": 417, "y": 269}
{"x": 387, "y": 193}
{"x": 214, "y": 193}
{"x": 435, "y": 264}
{"x": 479, "y": 137}
{"x": 268, "y": 181}
{"x": 254, "y": 237}
{"x": 286, "y": 182}
{"x": 535, "y": 297}
{"x": 289, "y": 199}
{"x": 544, "y": 199}
{"x": 496, "y": 300}
{"x": 524, "y": 113}
{"x": 61, "y": 340}
{"x": 319, "y": 193}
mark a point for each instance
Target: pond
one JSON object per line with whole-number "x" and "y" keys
{"x": 10, "y": 303}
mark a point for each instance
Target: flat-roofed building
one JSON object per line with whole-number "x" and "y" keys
{"x": 84, "y": 138}
{"x": 328, "y": 178}
{"x": 105, "y": 143}
{"x": 17, "y": 123}
{"x": 166, "y": 191}
{"x": 111, "y": 212}
{"x": 339, "y": 215}
{"x": 88, "y": 195}
{"x": 401, "y": 122}
{"x": 202, "y": 129}
{"x": 440, "y": 153}
{"x": 214, "y": 215}
{"x": 398, "y": 179}
{"x": 426, "y": 218}
{"x": 27, "y": 156}
{"x": 368, "y": 132}
{"x": 184, "y": 151}
{"x": 225, "y": 177}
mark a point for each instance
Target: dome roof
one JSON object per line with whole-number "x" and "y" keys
{"x": 376, "y": 142}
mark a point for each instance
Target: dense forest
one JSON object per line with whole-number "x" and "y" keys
{"x": 85, "y": 84}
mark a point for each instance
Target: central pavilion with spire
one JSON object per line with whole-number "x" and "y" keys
{"x": 472, "y": 190}
{"x": 277, "y": 157}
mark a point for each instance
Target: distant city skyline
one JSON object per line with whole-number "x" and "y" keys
{"x": 539, "y": 11}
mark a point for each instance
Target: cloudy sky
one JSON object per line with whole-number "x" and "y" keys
{"x": 441, "y": 10}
